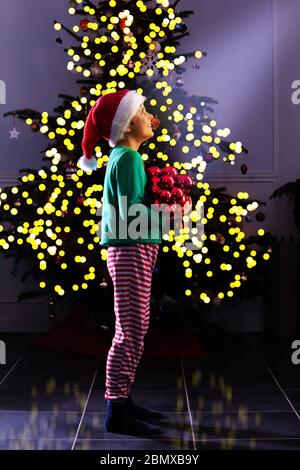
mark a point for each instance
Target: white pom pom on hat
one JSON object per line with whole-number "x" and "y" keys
{"x": 108, "y": 119}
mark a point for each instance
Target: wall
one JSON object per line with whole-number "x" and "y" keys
{"x": 252, "y": 59}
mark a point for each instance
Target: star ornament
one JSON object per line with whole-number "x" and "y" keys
{"x": 14, "y": 134}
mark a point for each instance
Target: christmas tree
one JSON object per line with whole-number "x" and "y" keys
{"x": 50, "y": 218}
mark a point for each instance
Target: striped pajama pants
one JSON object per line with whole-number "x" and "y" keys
{"x": 130, "y": 267}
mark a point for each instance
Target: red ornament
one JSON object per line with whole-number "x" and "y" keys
{"x": 34, "y": 126}
{"x": 220, "y": 238}
{"x": 84, "y": 24}
{"x": 155, "y": 190}
{"x": 177, "y": 194}
{"x": 166, "y": 182}
{"x": 169, "y": 170}
{"x": 184, "y": 181}
{"x": 57, "y": 259}
{"x": 155, "y": 122}
{"x": 183, "y": 200}
{"x": 154, "y": 170}
{"x": 244, "y": 169}
{"x": 165, "y": 196}
{"x": 155, "y": 180}
{"x": 122, "y": 23}
{"x": 80, "y": 200}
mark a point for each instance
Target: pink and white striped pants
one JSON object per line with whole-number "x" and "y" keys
{"x": 130, "y": 267}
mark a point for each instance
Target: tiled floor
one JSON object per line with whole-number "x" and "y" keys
{"x": 245, "y": 395}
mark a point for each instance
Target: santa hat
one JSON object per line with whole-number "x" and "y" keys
{"x": 108, "y": 119}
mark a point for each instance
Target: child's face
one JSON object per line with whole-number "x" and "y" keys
{"x": 141, "y": 128}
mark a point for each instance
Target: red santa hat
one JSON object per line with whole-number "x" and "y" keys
{"x": 108, "y": 119}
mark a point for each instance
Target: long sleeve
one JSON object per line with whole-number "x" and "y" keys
{"x": 131, "y": 181}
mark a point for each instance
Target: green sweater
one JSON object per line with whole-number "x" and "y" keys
{"x": 124, "y": 185}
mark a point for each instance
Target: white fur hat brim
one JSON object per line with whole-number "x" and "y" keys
{"x": 87, "y": 164}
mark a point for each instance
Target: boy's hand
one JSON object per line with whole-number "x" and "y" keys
{"x": 187, "y": 206}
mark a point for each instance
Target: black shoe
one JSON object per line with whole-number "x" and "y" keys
{"x": 119, "y": 420}
{"x": 143, "y": 413}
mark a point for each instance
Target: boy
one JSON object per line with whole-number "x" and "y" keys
{"x": 121, "y": 118}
